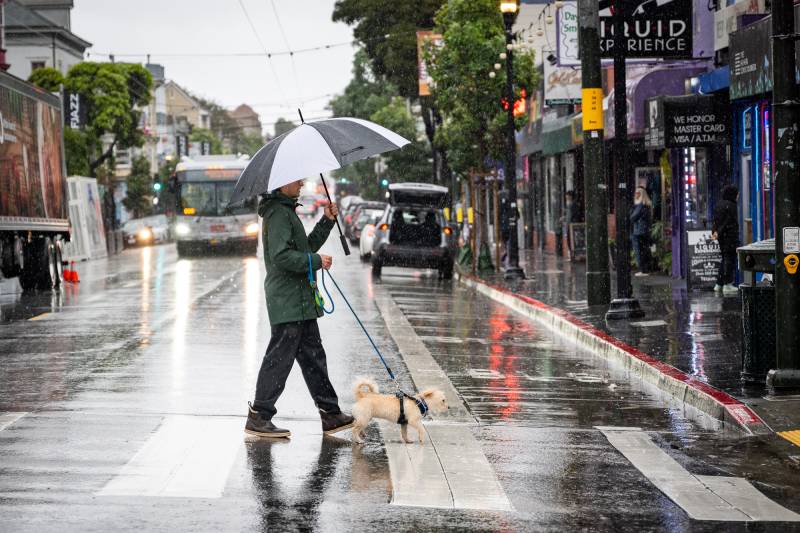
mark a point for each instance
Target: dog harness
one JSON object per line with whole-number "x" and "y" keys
{"x": 421, "y": 405}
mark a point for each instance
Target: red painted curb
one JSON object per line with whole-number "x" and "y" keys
{"x": 739, "y": 411}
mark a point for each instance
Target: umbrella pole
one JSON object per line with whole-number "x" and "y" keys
{"x": 341, "y": 235}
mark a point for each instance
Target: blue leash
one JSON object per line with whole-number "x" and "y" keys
{"x": 321, "y": 304}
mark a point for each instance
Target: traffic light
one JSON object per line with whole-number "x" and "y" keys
{"x": 157, "y": 185}
{"x": 384, "y": 183}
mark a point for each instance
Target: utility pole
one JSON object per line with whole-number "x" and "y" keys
{"x": 3, "y": 65}
{"x": 787, "y": 201}
{"x": 595, "y": 189}
{"x": 624, "y": 305}
{"x": 513, "y": 271}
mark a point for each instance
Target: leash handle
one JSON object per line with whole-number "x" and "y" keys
{"x": 318, "y": 300}
{"x": 375, "y": 346}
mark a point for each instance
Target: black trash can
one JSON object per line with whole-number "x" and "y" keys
{"x": 758, "y": 331}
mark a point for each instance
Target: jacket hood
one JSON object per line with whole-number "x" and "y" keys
{"x": 274, "y": 198}
{"x": 730, "y": 192}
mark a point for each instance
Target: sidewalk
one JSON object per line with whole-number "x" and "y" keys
{"x": 698, "y": 333}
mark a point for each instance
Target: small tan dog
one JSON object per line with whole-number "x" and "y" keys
{"x": 370, "y": 404}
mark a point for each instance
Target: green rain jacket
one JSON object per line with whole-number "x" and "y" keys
{"x": 286, "y": 249}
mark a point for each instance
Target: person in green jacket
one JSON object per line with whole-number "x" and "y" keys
{"x": 293, "y": 313}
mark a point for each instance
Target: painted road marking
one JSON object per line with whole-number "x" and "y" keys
{"x": 792, "y": 436}
{"x": 424, "y": 369}
{"x": 39, "y": 317}
{"x": 187, "y": 456}
{"x": 649, "y": 323}
{"x": 702, "y": 497}
{"x": 448, "y": 471}
{"x": 6, "y": 419}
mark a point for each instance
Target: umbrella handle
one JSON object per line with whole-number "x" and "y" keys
{"x": 341, "y": 235}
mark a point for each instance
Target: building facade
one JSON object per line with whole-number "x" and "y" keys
{"x": 38, "y": 34}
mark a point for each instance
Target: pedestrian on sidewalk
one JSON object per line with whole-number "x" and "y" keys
{"x": 641, "y": 219}
{"x": 726, "y": 231}
{"x": 293, "y": 313}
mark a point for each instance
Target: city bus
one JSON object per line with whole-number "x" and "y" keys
{"x": 203, "y": 221}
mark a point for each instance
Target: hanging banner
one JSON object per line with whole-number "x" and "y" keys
{"x": 653, "y": 29}
{"x": 424, "y": 78}
{"x": 75, "y": 115}
{"x": 567, "y": 50}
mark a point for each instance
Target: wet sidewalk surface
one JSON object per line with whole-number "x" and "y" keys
{"x": 697, "y": 332}
{"x": 122, "y": 408}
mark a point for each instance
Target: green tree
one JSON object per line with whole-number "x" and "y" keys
{"x": 247, "y": 144}
{"x": 410, "y": 163}
{"x": 282, "y": 126}
{"x": 47, "y": 78}
{"x": 139, "y": 194}
{"x": 470, "y": 100}
{"x": 203, "y": 135}
{"x": 113, "y": 94}
{"x": 76, "y": 151}
{"x": 387, "y": 29}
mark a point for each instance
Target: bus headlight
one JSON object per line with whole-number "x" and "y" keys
{"x": 182, "y": 229}
{"x": 252, "y": 228}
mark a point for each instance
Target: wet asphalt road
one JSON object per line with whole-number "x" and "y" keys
{"x": 148, "y": 341}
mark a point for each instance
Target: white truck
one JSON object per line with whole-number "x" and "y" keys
{"x": 34, "y": 222}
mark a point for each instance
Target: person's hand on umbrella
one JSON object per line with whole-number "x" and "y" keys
{"x": 331, "y": 211}
{"x": 327, "y": 261}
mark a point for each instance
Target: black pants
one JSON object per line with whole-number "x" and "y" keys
{"x": 290, "y": 341}
{"x": 727, "y": 268}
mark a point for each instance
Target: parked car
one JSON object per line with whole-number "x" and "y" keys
{"x": 307, "y": 207}
{"x": 146, "y": 230}
{"x": 413, "y": 231}
{"x": 367, "y": 233}
{"x": 362, "y": 214}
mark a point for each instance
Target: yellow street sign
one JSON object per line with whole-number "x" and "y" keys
{"x": 592, "y": 108}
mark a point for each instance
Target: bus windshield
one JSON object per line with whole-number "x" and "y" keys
{"x": 210, "y": 199}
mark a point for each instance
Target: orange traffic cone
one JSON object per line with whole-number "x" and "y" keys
{"x": 75, "y": 277}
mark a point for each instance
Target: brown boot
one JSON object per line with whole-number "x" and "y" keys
{"x": 262, "y": 427}
{"x": 333, "y": 423}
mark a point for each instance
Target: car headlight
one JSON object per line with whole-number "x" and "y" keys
{"x": 252, "y": 228}
{"x": 145, "y": 234}
{"x": 182, "y": 229}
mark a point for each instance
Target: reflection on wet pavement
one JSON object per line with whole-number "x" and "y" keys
{"x": 147, "y": 337}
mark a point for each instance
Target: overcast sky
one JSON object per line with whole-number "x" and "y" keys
{"x": 163, "y": 27}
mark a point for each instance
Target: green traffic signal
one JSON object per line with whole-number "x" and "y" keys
{"x": 157, "y": 186}
{"x": 384, "y": 182}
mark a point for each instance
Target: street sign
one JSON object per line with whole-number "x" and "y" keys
{"x": 592, "y": 107}
{"x": 791, "y": 240}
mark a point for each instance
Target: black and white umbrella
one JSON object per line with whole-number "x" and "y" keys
{"x": 313, "y": 148}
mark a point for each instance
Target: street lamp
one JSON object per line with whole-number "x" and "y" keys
{"x": 513, "y": 271}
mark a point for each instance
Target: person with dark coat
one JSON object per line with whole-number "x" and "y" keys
{"x": 641, "y": 220}
{"x": 726, "y": 231}
{"x": 293, "y": 313}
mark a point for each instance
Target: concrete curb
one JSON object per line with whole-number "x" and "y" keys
{"x": 685, "y": 389}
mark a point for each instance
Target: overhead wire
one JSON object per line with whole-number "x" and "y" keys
{"x": 288, "y": 47}
{"x": 264, "y": 48}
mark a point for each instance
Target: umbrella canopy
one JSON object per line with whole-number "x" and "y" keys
{"x": 310, "y": 149}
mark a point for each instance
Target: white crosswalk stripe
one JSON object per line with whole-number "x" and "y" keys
{"x": 8, "y": 418}
{"x": 702, "y": 497}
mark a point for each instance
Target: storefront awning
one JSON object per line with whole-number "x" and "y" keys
{"x": 714, "y": 80}
{"x": 557, "y": 136}
{"x": 647, "y": 82}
